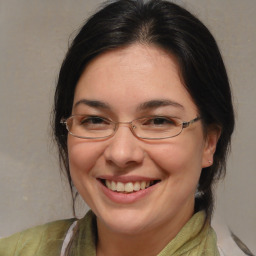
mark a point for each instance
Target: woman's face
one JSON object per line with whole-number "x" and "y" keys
{"x": 125, "y": 84}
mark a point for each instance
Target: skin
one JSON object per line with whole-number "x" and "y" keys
{"x": 124, "y": 79}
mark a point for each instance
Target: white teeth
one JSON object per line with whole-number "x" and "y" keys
{"x": 120, "y": 187}
{"x": 108, "y": 183}
{"x": 143, "y": 185}
{"x": 127, "y": 187}
{"x": 113, "y": 186}
{"x": 136, "y": 186}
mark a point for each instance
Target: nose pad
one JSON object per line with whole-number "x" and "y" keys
{"x": 124, "y": 148}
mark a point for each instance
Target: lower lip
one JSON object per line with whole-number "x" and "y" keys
{"x": 126, "y": 198}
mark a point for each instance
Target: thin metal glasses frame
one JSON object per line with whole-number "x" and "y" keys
{"x": 182, "y": 124}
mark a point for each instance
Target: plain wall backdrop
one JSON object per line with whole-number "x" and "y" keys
{"x": 34, "y": 38}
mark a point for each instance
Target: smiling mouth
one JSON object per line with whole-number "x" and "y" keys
{"x": 128, "y": 187}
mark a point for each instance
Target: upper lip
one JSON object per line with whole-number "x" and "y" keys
{"x": 125, "y": 179}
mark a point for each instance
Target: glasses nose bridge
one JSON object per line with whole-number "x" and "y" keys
{"x": 125, "y": 124}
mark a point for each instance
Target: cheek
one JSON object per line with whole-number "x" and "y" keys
{"x": 180, "y": 159}
{"x": 82, "y": 156}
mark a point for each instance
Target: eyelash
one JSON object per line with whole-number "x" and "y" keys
{"x": 150, "y": 120}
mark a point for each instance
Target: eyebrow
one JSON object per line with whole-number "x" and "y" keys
{"x": 93, "y": 103}
{"x": 158, "y": 103}
{"x": 144, "y": 106}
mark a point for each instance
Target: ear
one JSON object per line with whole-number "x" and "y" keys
{"x": 211, "y": 140}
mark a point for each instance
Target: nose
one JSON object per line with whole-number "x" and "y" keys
{"x": 124, "y": 149}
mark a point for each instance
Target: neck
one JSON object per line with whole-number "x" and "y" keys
{"x": 148, "y": 242}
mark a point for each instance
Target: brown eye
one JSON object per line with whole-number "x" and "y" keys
{"x": 92, "y": 120}
{"x": 158, "y": 121}
{"x": 161, "y": 121}
{"x": 94, "y": 123}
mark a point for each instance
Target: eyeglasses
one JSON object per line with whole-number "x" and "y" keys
{"x": 149, "y": 127}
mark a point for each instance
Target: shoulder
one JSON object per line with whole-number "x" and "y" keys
{"x": 41, "y": 240}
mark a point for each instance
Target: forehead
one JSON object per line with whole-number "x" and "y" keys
{"x": 131, "y": 76}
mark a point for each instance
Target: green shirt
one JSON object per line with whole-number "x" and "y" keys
{"x": 195, "y": 238}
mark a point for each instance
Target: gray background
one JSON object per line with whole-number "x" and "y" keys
{"x": 34, "y": 38}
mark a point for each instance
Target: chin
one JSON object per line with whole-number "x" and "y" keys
{"x": 124, "y": 222}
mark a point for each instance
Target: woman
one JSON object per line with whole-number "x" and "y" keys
{"x": 143, "y": 118}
